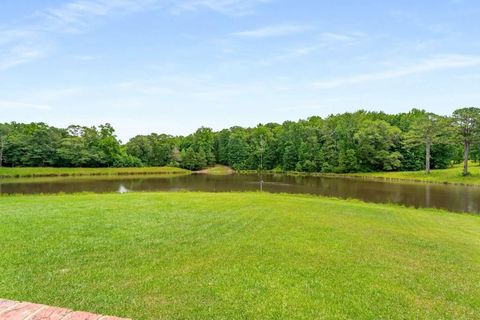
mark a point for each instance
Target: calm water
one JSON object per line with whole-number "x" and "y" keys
{"x": 450, "y": 197}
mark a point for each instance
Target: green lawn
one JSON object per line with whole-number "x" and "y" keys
{"x": 238, "y": 256}
{"x": 450, "y": 175}
{"x": 50, "y": 172}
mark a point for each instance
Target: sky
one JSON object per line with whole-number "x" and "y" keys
{"x": 171, "y": 66}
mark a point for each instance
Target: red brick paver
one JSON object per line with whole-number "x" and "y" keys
{"x": 6, "y": 304}
{"x": 13, "y": 310}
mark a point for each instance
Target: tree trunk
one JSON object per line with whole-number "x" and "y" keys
{"x": 466, "y": 152}
{"x": 428, "y": 146}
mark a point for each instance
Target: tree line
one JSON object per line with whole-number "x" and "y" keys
{"x": 350, "y": 142}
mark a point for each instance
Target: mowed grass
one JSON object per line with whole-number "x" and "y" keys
{"x": 52, "y": 172}
{"x": 450, "y": 175}
{"x": 238, "y": 256}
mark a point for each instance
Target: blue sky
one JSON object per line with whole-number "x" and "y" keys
{"x": 172, "y": 66}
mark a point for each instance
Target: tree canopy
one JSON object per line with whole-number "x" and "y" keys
{"x": 348, "y": 142}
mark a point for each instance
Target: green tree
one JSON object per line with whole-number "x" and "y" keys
{"x": 377, "y": 143}
{"x": 33, "y": 144}
{"x": 2, "y": 146}
{"x": 72, "y": 152}
{"x": 237, "y": 149}
{"x": 347, "y": 161}
{"x": 427, "y": 130}
{"x": 204, "y": 139}
{"x": 189, "y": 159}
{"x": 467, "y": 123}
{"x": 193, "y": 160}
{"x": 3, "y": 137}
{"x": 221, "y": 146}
{"x": 152, "y": 150}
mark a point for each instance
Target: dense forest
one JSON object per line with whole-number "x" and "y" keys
{"x": 349, "y": 142}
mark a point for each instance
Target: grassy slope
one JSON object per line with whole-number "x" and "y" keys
{"x": 218, "y": 170}
{"x": 451, "y": 175}
{"x": 46, "y": 172}
{"x": 238, "y": 255}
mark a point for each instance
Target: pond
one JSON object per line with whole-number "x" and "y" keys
{"x": 451, "y": 197}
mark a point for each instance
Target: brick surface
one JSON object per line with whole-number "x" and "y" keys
{"x": 6, "y": 304}
{"x": 50, "y": 313}
{"x": 20, "y": 311}
{"x": 81, "y": 316}
{"x": 13, "y": 310}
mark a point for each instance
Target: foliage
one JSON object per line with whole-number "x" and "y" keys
{"x": 39, "y": 145}
{"x": 427, "y": 131}
{"x": 152, "y": 150}
{"x": 343, "y": 143}
{"x": 376, "y": 143}
{"x": 467, "y": 123}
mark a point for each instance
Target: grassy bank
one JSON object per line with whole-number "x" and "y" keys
{"x": 450, "y": 175}
{"x": 237, "y": 256}
{"x": 218, "y": 170}
{"x": 59, "y": 172}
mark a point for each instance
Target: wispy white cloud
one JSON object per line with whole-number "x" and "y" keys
{"x": 230, "y": 7}
{"x": 18, "y": 55}
{"x": 437, "y": 63}
{"x": 77, "y": 15}
{"x": 341, "y": 37}
{"x": 272, "y": 31}
{"x": 25, "y": 43}
{"x": 12, "y": 35}
{"x": 325, "y": 40}
{"x": 19, "y": 46}
{"x": 203, "y": 87}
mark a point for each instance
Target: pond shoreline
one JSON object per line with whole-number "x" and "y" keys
{"x": 380, "y": 176}
{"x": 440, "y": 176}
{"x": 46, "y": 172}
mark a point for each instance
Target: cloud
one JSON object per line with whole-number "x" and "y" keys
{"x": 325, "y": 40}
{"x": 77, "y": 15}
{"x": 18, "y": 47}
{"x": 230, "y": 7}
{"x": 23, "y": 44}
{"x": 340, "y": 37}
{"x": 8, "y": 36}
{"x": 18, "y": 55}
{"x": 437, "y": 63}
{"x": 272, "y": 31}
